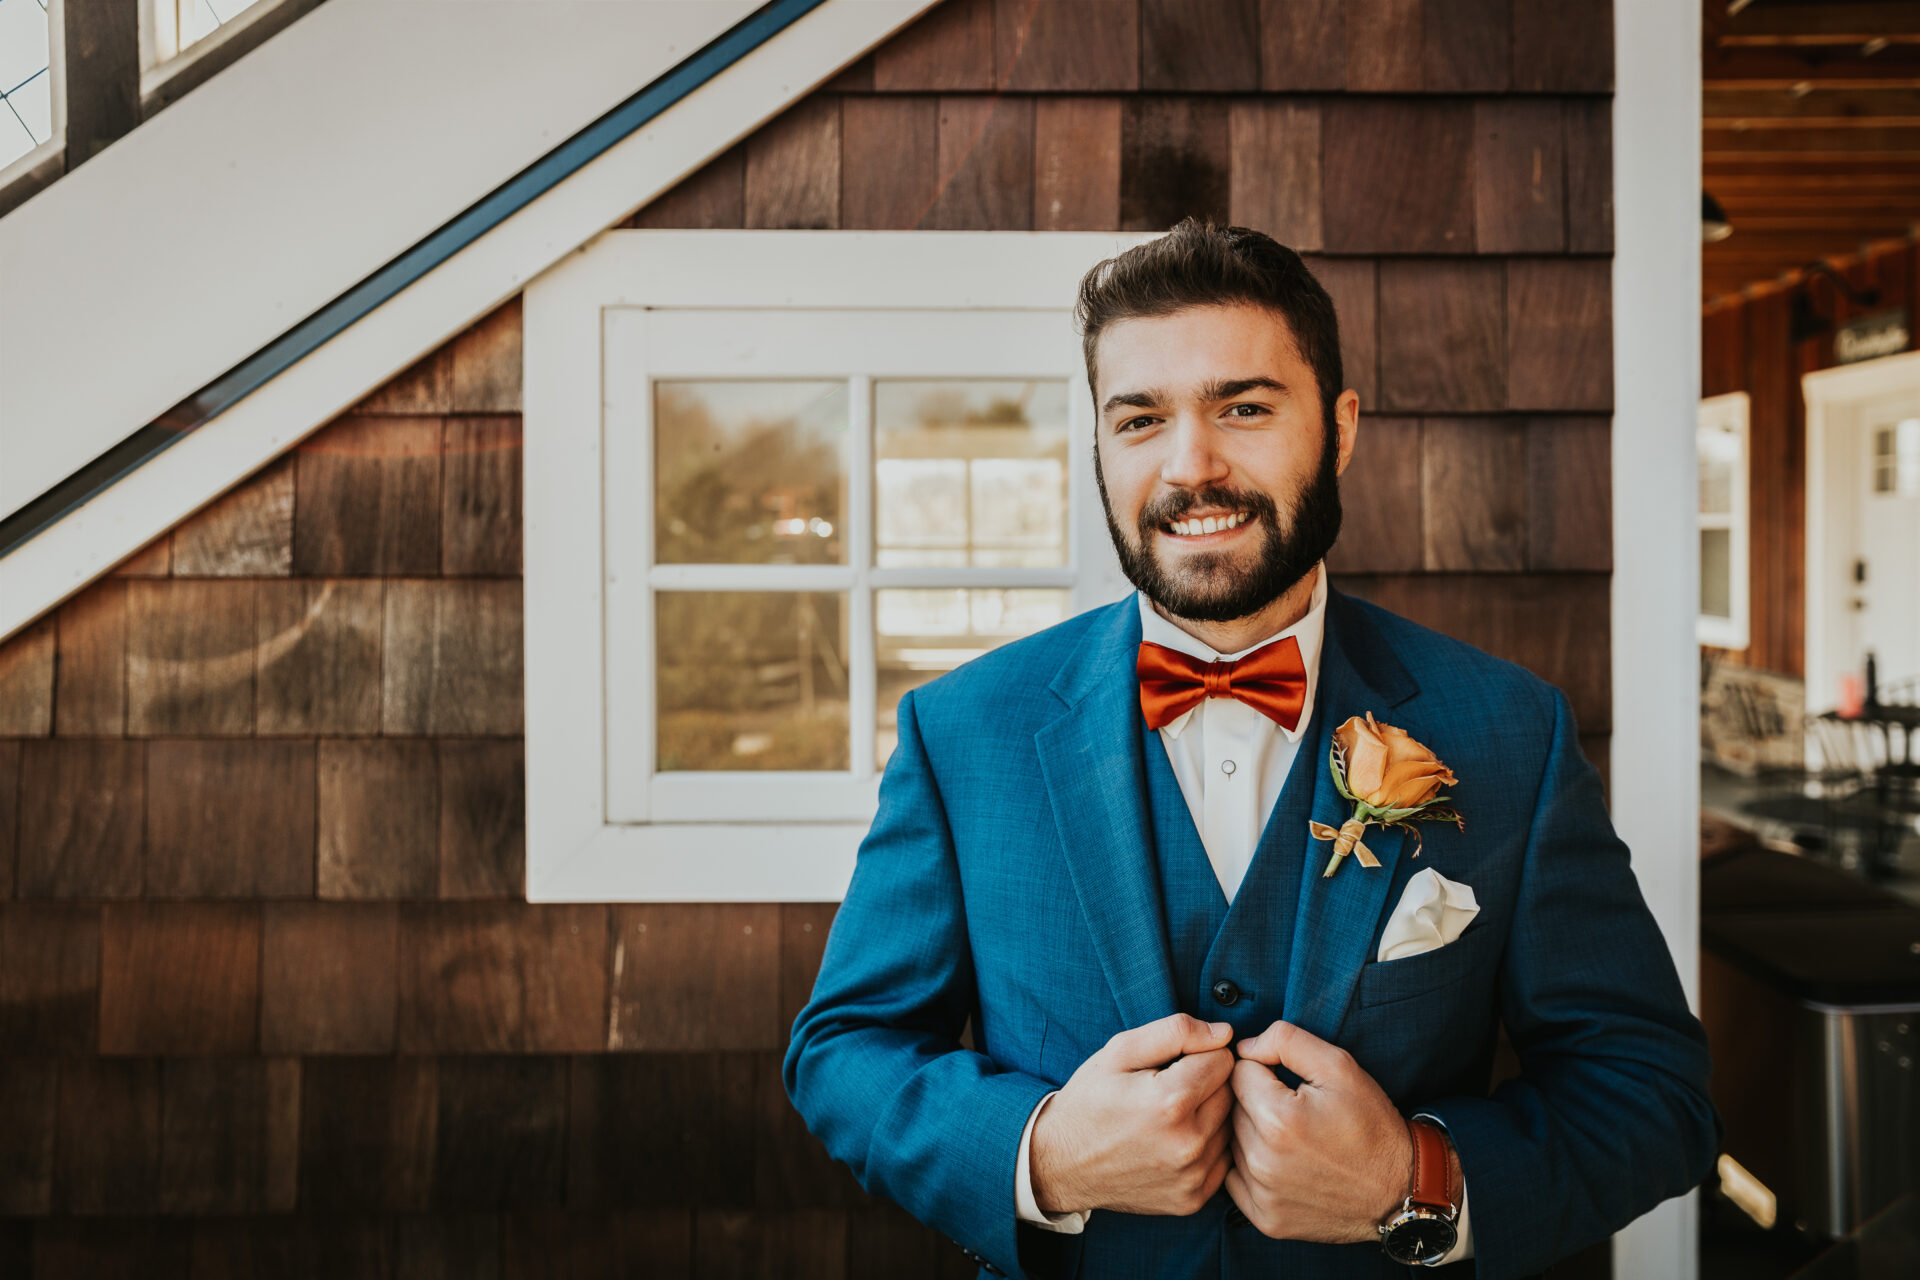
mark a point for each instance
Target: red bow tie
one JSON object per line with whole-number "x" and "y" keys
{"x": 1272, "y": 680}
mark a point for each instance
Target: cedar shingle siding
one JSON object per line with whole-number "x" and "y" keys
{"x": 271, "y": 1001}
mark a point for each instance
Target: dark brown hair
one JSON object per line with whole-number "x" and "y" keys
{"x": 1199, "y": 263}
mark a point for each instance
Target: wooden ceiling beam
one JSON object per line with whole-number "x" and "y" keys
{"x": 1820, "y": 21}
{"x": 1849, "y": 104}
{"x": 1893, "y": 138}
{"x": 1822, "y": 66}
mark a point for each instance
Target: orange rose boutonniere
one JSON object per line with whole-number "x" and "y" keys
{"x": 1392, "y": 780}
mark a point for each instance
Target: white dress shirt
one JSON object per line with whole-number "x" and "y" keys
{"x": 1231, "y": 762}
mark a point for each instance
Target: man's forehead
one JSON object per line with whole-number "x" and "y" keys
{"x": 1263, "y": 345}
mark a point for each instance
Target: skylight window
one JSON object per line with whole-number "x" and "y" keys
{"x": 178, "y": 25}
{"x": 26, "y": 79}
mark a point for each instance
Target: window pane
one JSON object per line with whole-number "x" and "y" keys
{"x": 970, "y": 472}
{"x": 751, "y": 680}
{"x": 1719, "y": 451}
{"x": 750, "y": 472}
{"x": 1716, "y": 569}
{"x": 920, "y": 633}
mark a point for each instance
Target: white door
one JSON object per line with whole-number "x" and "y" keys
{"x": 1886, "y": 590}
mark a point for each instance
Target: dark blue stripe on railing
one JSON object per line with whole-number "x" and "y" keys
{"x": 475, "y": 221}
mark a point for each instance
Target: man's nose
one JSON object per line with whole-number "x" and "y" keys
{"x": 1194, "y": 457}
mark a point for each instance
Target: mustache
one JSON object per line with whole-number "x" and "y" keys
{"x": 1175, "y": 505}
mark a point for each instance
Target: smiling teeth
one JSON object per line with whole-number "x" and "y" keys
{"x": 1211, "y": 524}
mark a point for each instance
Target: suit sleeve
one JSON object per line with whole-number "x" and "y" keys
{"x": 875, "y": 1066}
{"x": 1610, "y": 1114}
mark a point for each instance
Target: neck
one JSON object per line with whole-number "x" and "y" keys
{"x": 1280, "y": 613}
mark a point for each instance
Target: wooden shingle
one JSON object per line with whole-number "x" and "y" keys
{"x": 302, "y": 1247}
{"x": 90, "y": 686}
{"x": 1076, "y": 164}
{"x": 1569, "y": 494}
{"x": 179, "y": 978}
{"x": 792, "y": 177}
{"x": 1354, "y": 286}
{"x": 49, "y": 978}
{"x": 1560, "y": 333}
{"x": 107, "y": 1151}
{"x": 483, "y": 830}
{"x": 246, "y": 532}
{"x": 1466, "y": 46}
{"x": 948, "y": 48}
{"x": 368, "y": 1128}
{"x": 327, "y": 977}
{"x": 9, "y": 813}
{"x": 1303, "y": 45}
{"x": 82, "y": 809}
{"x": 1561, "y": 48}
{"x": 480, "y": 496}
{"x": 229, "y": 1134}
{"x": 1589, "y": 149}
{"x": 367, "y": 497}
{"x": 423, "y": 387}
{"x": 804, "y": 1244}
{"x": 317, "y": 656}
{"x": 693, "y": 975}
{"x": 1380, "y": 530}
{"x": 1207, "y": 48}
{"x": 1385, "y": 46}
{"x": 486, "y": 363}
{"x": 632, "y": 1244}
{"x": 155, "y": 560}
{"x": 1275, "y": 184}
{"x": 714, "y": 195}
{"x": 26, "y": 680}
{"x": 1518, "y": 166}
{"x": 1473, "y": 495}
{"x": 889, "y": 160}
{"x": 1066, "y": 46}
{"x": 1399, "y": 175}
{"x": 453, "y": 1246}
{"x": 379, "y": 818}
{"x": 1442, "y": 336}
{"x": 791, "y": 1167}
{"x": 986, "y": 164}
{"x": 1175, "y": 161}
{"x": 189, "y": 656}
{"x": 114, "y": 1249}
{"x": 230, "y": 818}
{"x": 803, "y": 941}
{"x": 453, "y": 655}
{"x": 661, "y": 1130}
{"x": 28, "y": 1105}
{"x": 498, "y": 978}
{"x": 501, "y": 1136}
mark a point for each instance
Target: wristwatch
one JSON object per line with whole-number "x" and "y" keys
{"x": 1422, "y": 1229}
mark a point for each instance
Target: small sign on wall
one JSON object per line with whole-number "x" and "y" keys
{"x": 1881, "y": 334}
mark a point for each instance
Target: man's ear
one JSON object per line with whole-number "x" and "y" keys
{"x": 1346, "y": 421}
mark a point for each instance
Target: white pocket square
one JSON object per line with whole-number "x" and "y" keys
{"x": 1433, "y": 911}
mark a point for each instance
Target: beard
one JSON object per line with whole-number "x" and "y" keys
{"x": 1212, "y": 586}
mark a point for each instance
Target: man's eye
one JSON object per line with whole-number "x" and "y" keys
{"x": 1129, "y": 423}
{"x": 1257, "y": 410}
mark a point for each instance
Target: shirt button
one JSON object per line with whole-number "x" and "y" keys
{"x": 1227, "y": 767}
{"x": 1226, "y": 992}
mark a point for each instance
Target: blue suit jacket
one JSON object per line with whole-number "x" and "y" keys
{"x": 1009, "y": 877}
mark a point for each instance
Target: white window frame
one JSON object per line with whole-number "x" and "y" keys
{"x": 157, "y": 68}
{"x": 1729, "y": 413}
{"x": 57, "y": 98}
{"x": 601, "y": 826}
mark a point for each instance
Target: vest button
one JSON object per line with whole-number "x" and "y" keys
{"x": 1226, "y": 993}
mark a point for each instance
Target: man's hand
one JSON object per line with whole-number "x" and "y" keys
{"x": 1327, "y": 1161}
{"x": 1141, "y": 1126}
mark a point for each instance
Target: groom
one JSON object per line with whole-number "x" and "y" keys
{"x": 1195, "y": 1054}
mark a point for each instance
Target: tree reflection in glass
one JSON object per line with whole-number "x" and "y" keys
{"x": 750, "y": 472}
{"x": 970, "y": 472}
{"x": 751, "y": 680}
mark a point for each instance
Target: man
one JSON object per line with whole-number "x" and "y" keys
{"x": 1195, "y": 1054}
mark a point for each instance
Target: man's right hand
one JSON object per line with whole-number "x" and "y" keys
{"x": 1142, "y": 1126}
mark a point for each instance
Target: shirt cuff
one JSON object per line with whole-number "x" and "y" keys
{"x": 1463, "y": 1243}
{"x": 1029, "y": 1208}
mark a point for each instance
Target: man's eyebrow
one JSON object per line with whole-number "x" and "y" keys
{"x": 1218, "y": 389}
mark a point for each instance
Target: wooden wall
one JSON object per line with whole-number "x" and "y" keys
{"x": 271, "y": 1002}
{"x": 1747, "y": 345}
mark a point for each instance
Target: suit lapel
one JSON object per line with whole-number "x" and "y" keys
{"x": 1096, "y": 779}
{"x": 1335, "y": 916}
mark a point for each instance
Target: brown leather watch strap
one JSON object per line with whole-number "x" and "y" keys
{"x": 1432, "y": 1170}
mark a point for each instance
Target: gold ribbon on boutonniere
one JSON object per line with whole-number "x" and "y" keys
{"x": 1392, "y": 780}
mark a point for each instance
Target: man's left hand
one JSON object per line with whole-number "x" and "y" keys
{"x": 1327, "y": 1161}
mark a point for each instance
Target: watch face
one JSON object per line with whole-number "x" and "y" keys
{"x": 1419, "y": 1237}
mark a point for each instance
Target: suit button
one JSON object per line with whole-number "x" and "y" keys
{"x": 1226, "y": 993}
